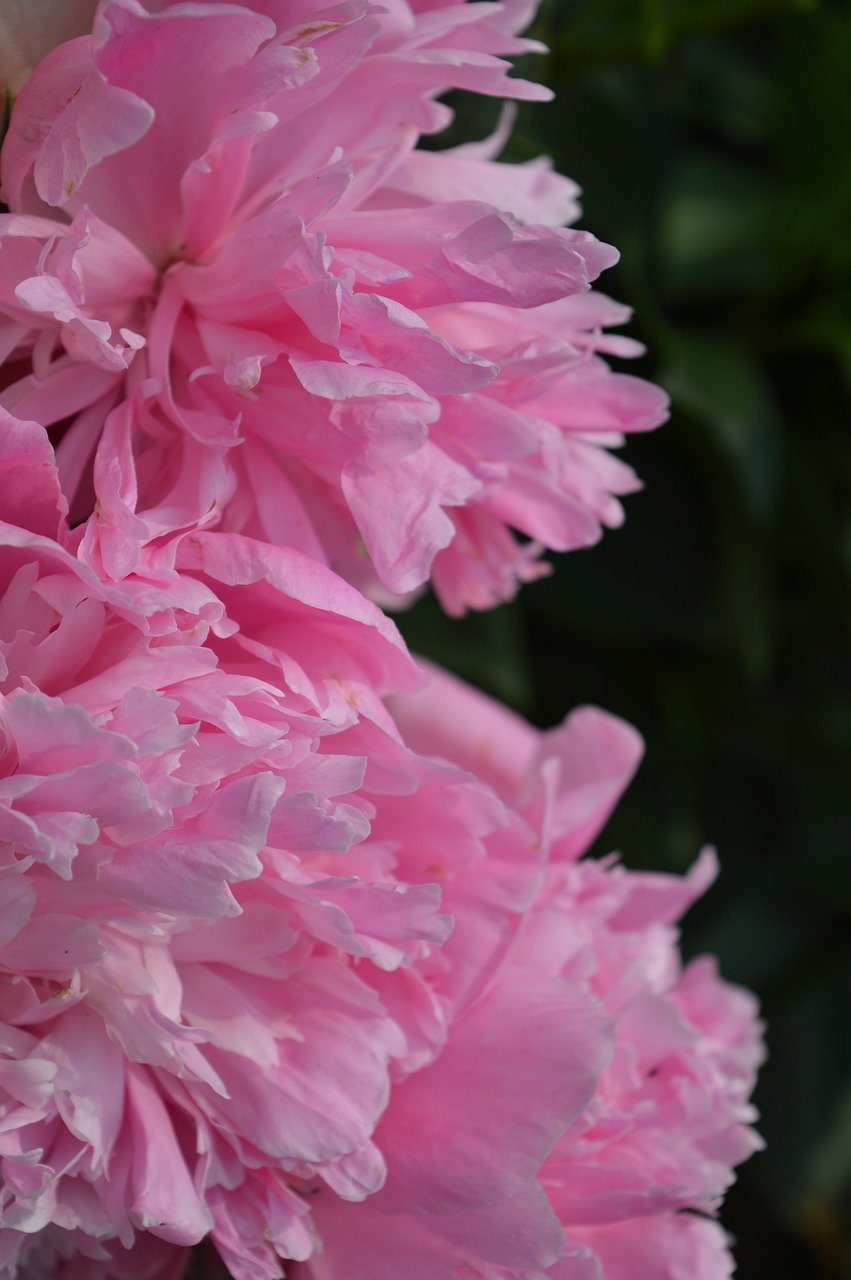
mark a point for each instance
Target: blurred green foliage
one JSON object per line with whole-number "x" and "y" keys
{"x": 711, "y": 138}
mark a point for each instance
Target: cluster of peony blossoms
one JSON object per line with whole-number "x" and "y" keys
{"x": 298, "y": 950}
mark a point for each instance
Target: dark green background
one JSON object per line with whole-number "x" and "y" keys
{"x": 712, "y": 139}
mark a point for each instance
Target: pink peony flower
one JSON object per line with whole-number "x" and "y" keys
{"x": 232, "y": 1002}
{"x": 238, "y": 296}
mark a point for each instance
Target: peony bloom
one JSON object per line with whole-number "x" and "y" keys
{"x": 237, "y": 296}
{"x": 321, "y": 980}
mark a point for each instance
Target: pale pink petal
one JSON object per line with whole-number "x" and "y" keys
{"x": 29, "y": 487}
{"x": 474, "y": 1128}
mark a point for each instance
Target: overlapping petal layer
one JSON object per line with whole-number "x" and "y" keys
{"x": 269, "y": 950}
{"x": 257, "y": 306}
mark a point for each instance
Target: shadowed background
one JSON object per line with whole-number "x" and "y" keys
{"x": 711, "y": 138}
